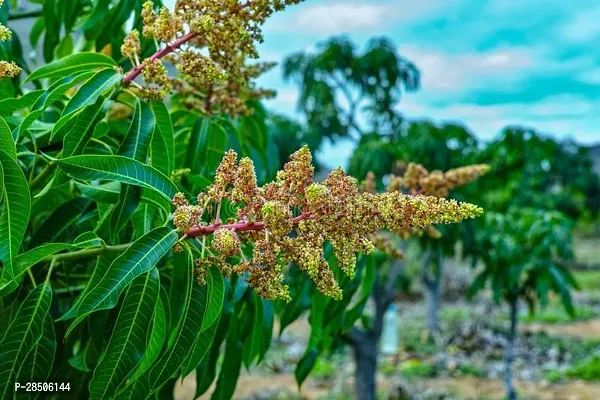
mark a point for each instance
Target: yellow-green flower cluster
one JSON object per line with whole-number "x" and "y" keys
{"x": 5, "y": 33}
{"x": 131, "y": 45}
{"x": 226, "y": 242}
{"x": 291, "y": 219}
{"x": 219, "y": 36}
{"x": 416, "y": 179}
{"x": 7, "y": 69}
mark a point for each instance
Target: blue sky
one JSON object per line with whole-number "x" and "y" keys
{"x": 485, "y": 63}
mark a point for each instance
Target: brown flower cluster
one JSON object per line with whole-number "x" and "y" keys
{"x": 291, "y": 219}
{"x": 227, "y": 96}
{"x": 7, "y": 69}
{"x": 417, "y": 180}
{"x": 209, "y": 41}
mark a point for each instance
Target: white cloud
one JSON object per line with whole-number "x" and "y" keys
{"x": 583, "y": 26}
{"x": 460, "y": 72}
{"x": 564, "y": 115}
{"x": 590, "y": 76}
{"x": 332, "y": 18}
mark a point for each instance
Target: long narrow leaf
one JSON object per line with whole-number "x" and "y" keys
{"x": 15, "y": 210}
{"x": 22, "y": 335}
{"x": 128, "y": 340}
{"x": 138, "y": 259}
{"x": 118, "y": 168}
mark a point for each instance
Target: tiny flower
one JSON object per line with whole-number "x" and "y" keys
{"x": 131, "y": 45}
{"x": 226, "y": 242}
{"x": 5, "y": 33}
{"x": 9, "y": 69}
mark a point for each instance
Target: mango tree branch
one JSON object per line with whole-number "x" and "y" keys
{"x": 237, "y": 227}
{"x": 171, "y": 47}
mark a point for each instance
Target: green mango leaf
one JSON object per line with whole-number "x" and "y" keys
{"x": 230, "y": 370}
{"x": 1, "y": 184}
{"x": 129, "y": 199}
{"x": 216, "y": 147}
{"x": 14, "y": 216}
{"x": 216, "y": 295}
{"x": 163, "y": 145}
{"x": 206, "y": 372}
{"x": 80, "y": 134}
{"x": 38, "y": 364}
{"x": 72, "y": 64}
{"x": 59, "y": 226}
{"x": 199, "y": 350}
{"x": 136, "y": 146}
{"x": 118, "y": 168}
{"x": 24, "y": 261}
{"x": 267, "y": 329}
{"x": 155, "y": 339}
{"x": 181, "y": 284}
{"x": 129, "y": 337}
{"x": 54, "y": 93}
{"x": 136, "y": 143}
{"x": 140, "y": 257}
{"x": 100, "y": 267}
{"x": 305, "y": 365}
{"x": 90, "y": 91}
{"x": 253, "y": 343}
{"x": 22, "y": 335}
{"x": 198, "y": 144}
{"x": 142, "y": 218}
{"x": 87, "y": 240}
{"x": 213, "y": 305}
{"x": 104, "y": 193}
{"x": 9, "y": 106}
{"x": 7, "y": 143}
{"x": 173, "y": 358}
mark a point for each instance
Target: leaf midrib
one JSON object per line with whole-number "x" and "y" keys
{"x": 163, "y": 239}
{"x": 129, "y": 332}
{"x": 37, "y": 306}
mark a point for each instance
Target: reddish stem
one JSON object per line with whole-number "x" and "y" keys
{"x": 237, "y": 227}
{"x": 134, "y": 73}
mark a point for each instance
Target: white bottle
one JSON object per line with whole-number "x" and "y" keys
{"x": 389, "y": 335}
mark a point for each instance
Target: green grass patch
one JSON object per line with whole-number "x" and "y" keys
{"x": 469, "y": 369}
{"x": 587, "y": 370}
{"x": 556, "y": 314}
{"x": 417, "y": 369}
{"x": 588, "y": 280}
{"x": 324, "y": 369}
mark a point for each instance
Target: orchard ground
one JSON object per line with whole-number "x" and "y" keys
{"x": 558, "y": 357}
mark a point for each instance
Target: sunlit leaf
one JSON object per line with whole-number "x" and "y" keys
{"x": 119, "y": 168}
{"x": 22, "y": 335}
{"x": 128, "y": 340}
{"x": 90, "y": 91}
{"x": 140, "y": 257}
{"x": 15, "y": 210}
{"x": 71, "y": 64}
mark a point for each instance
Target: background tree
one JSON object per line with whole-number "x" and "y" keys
{"x": 535, "y": 170}
{"x": 345, "y": 93}
{"x": 522, "y": 253}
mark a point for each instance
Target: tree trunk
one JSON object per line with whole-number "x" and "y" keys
{"x": 365, "y": 358}
{"x": 432, "y": 279}
{"x": 433, "y": 307}
{"x": 511, "y": 394}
